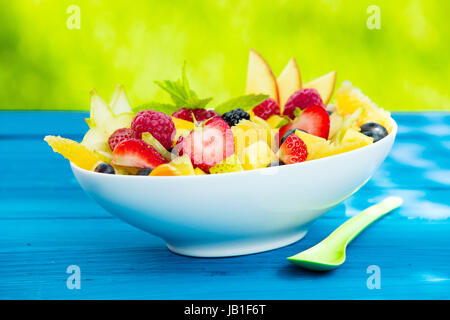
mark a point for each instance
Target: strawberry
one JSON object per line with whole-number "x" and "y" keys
{"x": 293, "y": 150}
{"x": 136, "y": 153}
{"x": 209, "y": 144}
{"x": 178, "y": 148}
{"x": 313, "y": 120}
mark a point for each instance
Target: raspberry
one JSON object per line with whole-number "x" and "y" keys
{"x": 158, "y": 124}
{"x": 199, "y": 114}
{"x": 302, "y": 99}
{"x": 234, "y": 116}
{"x": 120, "y": 135}
{"x": 266, "y": 109}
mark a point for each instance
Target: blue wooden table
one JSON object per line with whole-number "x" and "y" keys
{"x": 47, "y": 223}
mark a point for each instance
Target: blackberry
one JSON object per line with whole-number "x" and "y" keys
{"x": 234, "y": 116}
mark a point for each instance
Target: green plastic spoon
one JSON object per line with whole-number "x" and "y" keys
{"x": 330, "y": 252}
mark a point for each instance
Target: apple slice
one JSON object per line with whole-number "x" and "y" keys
{"x": 260, "y": 78}
{"x": 324, "y": 85}
{"x": 288, "y": 82}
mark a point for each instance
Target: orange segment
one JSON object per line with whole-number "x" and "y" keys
{"x": 74, "y": 152}
{"x": 180, "y": 166}
{"x": 165, "y": 169}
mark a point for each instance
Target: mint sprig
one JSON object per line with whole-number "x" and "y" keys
{"x": 245, "y": 102}
{"x": 183, "y": 96}
{"x": 181, "y": 93}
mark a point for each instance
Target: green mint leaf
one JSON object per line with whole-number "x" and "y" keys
{"x": 176, "y": 91}
{"x": 245, "y": 102}
{"x": 156, "y": 106}
{"x": 193, "y": 103}
{"x": 181, "y": 93}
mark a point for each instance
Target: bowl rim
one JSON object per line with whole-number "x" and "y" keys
{"x": 393, "y": 133}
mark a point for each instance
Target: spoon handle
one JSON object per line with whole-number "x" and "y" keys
{"x": 352, "y": 227}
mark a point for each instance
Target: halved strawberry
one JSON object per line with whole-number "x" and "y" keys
{"x": 209, "y": 144}
{"x": 313, "y": 120}
{"x": 136, "y": 153}
{"x": 293, "y": 150}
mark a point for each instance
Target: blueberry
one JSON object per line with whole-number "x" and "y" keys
{"x": 276, "y": 164}
{"x": 105, "y": 168}
{"x": 374, "y": 130}
{"x": 287, "y": 134}
{"x": 144, "y": 172}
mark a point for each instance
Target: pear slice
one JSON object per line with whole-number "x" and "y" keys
{"x": 119, "y": 102}
{"x": 260, "y": 78}
{"x": 288, "y": 82}
{"x": 324, "y": 85}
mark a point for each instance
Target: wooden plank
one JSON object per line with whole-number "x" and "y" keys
{"x": 119, "y": 262}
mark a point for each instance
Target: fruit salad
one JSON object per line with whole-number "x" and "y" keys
{"x": 278, "y": 121}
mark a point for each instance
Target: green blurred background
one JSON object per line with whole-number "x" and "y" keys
{"x": 46, "y": 65}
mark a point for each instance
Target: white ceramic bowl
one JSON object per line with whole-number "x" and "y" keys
{"x": 236, "y": 213}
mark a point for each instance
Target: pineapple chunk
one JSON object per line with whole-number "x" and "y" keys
{"x": 230, "y": 164}
{"x": 320, "y": 148}
{"x": 199, "y": 172}
{"x": 275, "y": 121}
{"x": 183, "y": 165}
{"x": 336, "y": 121}
{"x": 317, "y": 147}
{"x": 258, "y": 155}
{"x": 182, "y": 124}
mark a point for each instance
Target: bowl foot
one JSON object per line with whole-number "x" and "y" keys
{"x": 238, "y": 247}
